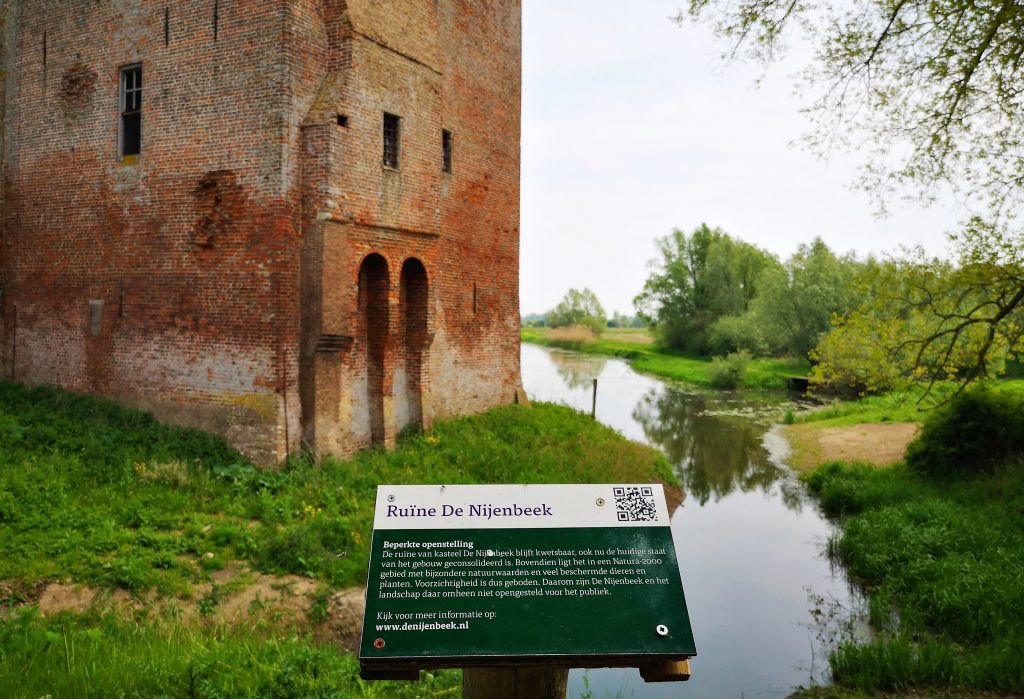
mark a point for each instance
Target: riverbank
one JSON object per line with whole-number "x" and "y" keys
{"x": 637, "y": 347}
{"x": 874, "y": 429}
{"x": 141, "y": 558}
{"x": 941, "y": 564}
{"x": 939, "y": 551}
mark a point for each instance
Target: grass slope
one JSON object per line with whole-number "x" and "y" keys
{"x": 94, "y": 493}
{"x": 102, "y": 657}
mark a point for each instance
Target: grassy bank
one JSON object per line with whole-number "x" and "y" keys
{"x": 903, "y": 406}
{"x": 888, "y": 407}
{"x": 648, "y": 357}
{"x": 942, "y": 563}
{"x": 98, "y": 495}
{"x": 937, "y": 542}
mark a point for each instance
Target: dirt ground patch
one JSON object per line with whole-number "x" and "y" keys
{"x": 58, "y": 597}
{"x": 235, "y": 596}
{"x": 879, "y": 443}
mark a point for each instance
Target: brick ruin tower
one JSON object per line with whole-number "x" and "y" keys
{"x": 289, "y": 222}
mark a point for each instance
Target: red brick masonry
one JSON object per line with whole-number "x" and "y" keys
{"x": 256, "y": 270}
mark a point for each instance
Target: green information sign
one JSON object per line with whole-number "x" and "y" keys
{"x": 569, "y": 575}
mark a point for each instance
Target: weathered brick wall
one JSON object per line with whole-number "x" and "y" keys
{"x": 192, "y": 249}
{"x": 450, "y": 340}
{"x": 480, "y": 209}
{"x": 261, "y": 273}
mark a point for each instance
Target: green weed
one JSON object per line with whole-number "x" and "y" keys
{"x": 729, "y": 372}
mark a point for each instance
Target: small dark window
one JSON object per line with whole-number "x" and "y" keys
{"x": 342, "y": 120}
{"x": 392, "y": 136}
{"x": 131, "y": 110}
{"x": 446, "y": 150}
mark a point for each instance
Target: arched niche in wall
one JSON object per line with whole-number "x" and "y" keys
{"x": 414, "y": 295}
{"x": 373, "y": 308}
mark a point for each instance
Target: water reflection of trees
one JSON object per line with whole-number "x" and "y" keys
{"x": 714, "y": 454}
{"x": 577, "y": 371}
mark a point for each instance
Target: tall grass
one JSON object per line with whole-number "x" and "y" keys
{"x": 574, "y": 337}
{"x": 949, "y": 557}
{"x": 729, "y": 372}
{"x": 102, "y": 657}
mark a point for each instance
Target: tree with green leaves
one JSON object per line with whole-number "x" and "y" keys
{"x": 932, "y": 91}
{"x": 578, "y": 307}
{"x": 700, "y": 278}
{"x": 928, "y": 320}
{"x": 796, "y": 303}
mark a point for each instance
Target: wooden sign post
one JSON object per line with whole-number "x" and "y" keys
{"x": 515, "y": 584}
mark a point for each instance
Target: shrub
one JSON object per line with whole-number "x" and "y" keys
{"x": 976, "y": 432}
{"x": 730, "y": 371}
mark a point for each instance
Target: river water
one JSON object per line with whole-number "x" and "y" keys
{"x": 764, "y": 602}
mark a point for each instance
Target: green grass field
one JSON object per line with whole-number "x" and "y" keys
{"x": 98, "y": 495}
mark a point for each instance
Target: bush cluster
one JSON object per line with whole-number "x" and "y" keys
{"x": 975, "y": 433}
{"x": 730, "y": 371}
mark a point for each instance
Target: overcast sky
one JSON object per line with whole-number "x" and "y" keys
{"x": 632, "y": 127}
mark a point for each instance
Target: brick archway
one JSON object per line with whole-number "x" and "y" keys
{"x": 374, "y": 283}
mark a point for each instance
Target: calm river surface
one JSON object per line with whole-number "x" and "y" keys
{"x": 748, "y": 538}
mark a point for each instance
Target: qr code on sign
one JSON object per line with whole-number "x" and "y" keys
{"x": 635, "y": 504}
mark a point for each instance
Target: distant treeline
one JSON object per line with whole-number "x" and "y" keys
{"x": 868, "y": 325}
{"x": 618, "y": 320}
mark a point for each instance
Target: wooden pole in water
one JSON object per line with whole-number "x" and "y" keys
{"x": 593, "y": 403}
{"x": 514, "y": 683}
